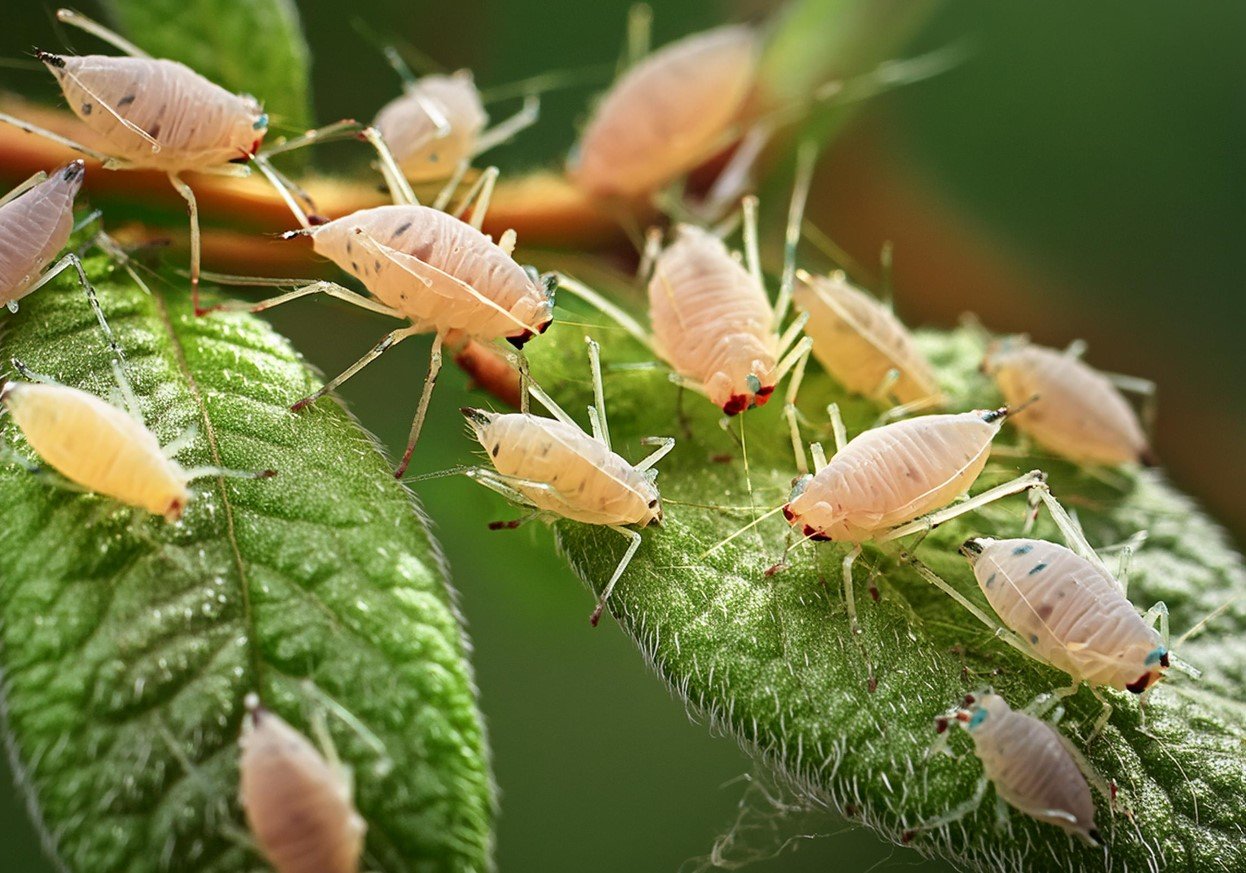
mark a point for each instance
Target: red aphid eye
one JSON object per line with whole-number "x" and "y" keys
{"x": 737, "y": 404}
{"x": 763, "y": 395}
{"x": 788, "y": 512}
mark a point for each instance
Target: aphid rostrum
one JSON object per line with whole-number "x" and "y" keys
{"x": 36, "y": 219}
{"x": 1081, "y": 414}
{"x": 895, "y": 480}
{"x": 425, "y": 266}
{"x": 299, "y": 804}
{"x": 554, "y": 467}
{"x": 103, "y": 448}
{"x": 156, "y": 114}
{"x": 1033, "y": 767}
{"x": 862, "y": 344}
{"x": 666, "y": 114}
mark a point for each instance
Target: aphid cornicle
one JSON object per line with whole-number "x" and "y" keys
{"x": 553, "y": 466}
{"x": 862, "y": 344}
{"x": 1081, "y": 414}
{"x": 36, "y": 219}
{"x": 1033, "y": 767}
{"x": 668, "y": 113}
{"x": 298, "y": 805}
{"x": 895, "y": 480}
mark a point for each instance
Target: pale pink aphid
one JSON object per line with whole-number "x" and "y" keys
{"x": 861, "y": 343}
{"x": 670, "y": 112}
{"x": 437, "y": 126}
{"x": 425, "y": 266}
{"x": 299, "y": 805}
{"x": 1080, "y": 414}
{"x": 1033, "y": 767}
{"x": 554, "y": 467}
{"x": 895, "y": 480}
{"x": 36, "y": 219}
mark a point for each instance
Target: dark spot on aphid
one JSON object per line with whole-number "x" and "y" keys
{"x": 736, "y": 404}
{"x": 815, "y": 535}
{"x": 1139, "y": 685}
{"x": 125, "y": 101}
{"x": 763, "y": 395}
{"x": 990, "y": 580}
{"x": 653, "y": 503}
{"x": 907, "y": 836}
{"x": 401, "y": 230}
{"x": 1163, "y": 660}
{"x": 350, "y": 249}
{"x": 1034, "y": 639}
{"x": 1023, "y": 550}
{"x": 1044, "y": 611}
{"x": 545, "y": 326}
{"x": 50, "y": 59}
{"x": 519, "y": 340}
{"x": 316, "y": 220}
{"x": 1094, "y": 835}
{"x": 788, "y": 513}
{"x": 721, "y": 459}
{"x": 376, "y": 265}
{"x": 154, "y": 133}
{"x": 87, "y": 108}
{"x": 354, "y": 267}
{"x": 1038, "y": 568}
{"x": 1148, "y": 458}
{"x": 497, "y": 447}
{"x": 941, "y": 724}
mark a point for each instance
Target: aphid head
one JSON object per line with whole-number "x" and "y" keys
{"x": 249, "y": 128}
{"x": 73, "y": 173}
{"x": 747, "y": 387}
{"x": 1156, "y": 662}
{"x": 799, "y": 484}
{"x": 177, "y": 506}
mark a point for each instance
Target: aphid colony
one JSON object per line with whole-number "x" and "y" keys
{"x": 711, "y": 321}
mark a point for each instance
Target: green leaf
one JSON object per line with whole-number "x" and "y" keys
{"x": 128, "y": 644}
{"x": 771, "y": 660}
{"x": 249, "y": 46}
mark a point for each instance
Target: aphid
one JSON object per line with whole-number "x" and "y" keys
{"x": 156, "y": 114}
{"x": 36, "y": 219}
{"x": 557, "y": 469}
{"x": 668, "y": 113}
{"x": 427, "y": 267}
{"x": 895, "y": 480}
{"x": 862, "y": 344}
{"x": 298, "y": 804}
{"x": 1081, "y": 414}
{"x": 1034, "y": 768}
{"x": 102, "y": 448}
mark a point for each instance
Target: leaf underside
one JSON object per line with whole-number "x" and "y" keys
{"x": 771, "y": 659}
{"x": 128, "y": 644}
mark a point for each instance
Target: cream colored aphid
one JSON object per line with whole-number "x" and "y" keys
{"x": 553, "y": 466}
{"x": 298, "y": 804}
{"x": 862, "y": 344}
{"x": 36, "y": 219}
{"x": 156, "y": 114}
{"x": 895, "y": 480}
{"x": 668, "y": 113}
{"x": 1080, "y": 414}
{"x": 102, "y": 448}
{"x": 1033, "y": 767}
{"x": 427, "y": 267}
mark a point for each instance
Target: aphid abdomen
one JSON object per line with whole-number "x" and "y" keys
{"x": 1080, "y": 414}
{"x": 667, "y": 114}
{"x": 412, "y": 133}
{"x": 860, "y": 342}
{"x": 592, "y": 484}
{"x": 96, "y": 445}
{"x": 197, "y": 124}
{"x": 1030, "y": 767}
{"x": 711, "y": 321}
{"x": 893, "y": 474}
{"x": 298, "y": 807}
{"x": 500, "y": 299}
{"x": 34, "y": 228}
{"x": 1069, "y": 610}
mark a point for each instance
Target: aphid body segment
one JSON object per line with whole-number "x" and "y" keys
{"x": 35, "y": 225}
{"x": 668, "y": 113}
{"x": 1070, "y": 611}
{"x": 1034, "y": 769}
{"x": 434, "y": 125}
{"x": 712, "y": 321}
{"x": 98, "y": 446}
{"x": 861, "y": 343}
{"x": 1080, "y": 414}
{"x": 158, "y": 113}
{"x": 297, "y": 804}
{"x": 557, "y": 469}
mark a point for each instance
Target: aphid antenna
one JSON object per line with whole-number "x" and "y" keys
{"x": 806, "y": 160}
{"x": 752, "y": 524}
{"x": 605, "y": 307}
{"x": 1199, "y": 627}
{"x": 223, "y": 473}
{"x": 327, "y": 703}
{"x": 1004, "y": 412}
{"x": 401, "y": 55}
{"x": 30, "y": 375}
{"x": 82, "y": 22}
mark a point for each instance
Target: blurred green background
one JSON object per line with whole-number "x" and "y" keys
{"x": 1081, "y": 175}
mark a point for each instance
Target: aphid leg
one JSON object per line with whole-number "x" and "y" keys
{"x": 387, "y": 342}
{"x": 182, "y": 441}
{"x": 789, "y": 337}
{"x": 882, "y": 393}
{"x": 336, "y": 130}
{"x": 192, "y": 208}
{"x": 399, "y": 187}
{"x": 332, "y": 289}
{"x": 1145, "y": 389}
{"x": 1096, "y": 781}
{"x": 798, "y": 446}
{"x": 806, "y": 157}
{"x": 482, "y": 193}
{"x": 954, "y": 814}
{"x": 504, "y": 485}
{"x": 452, "y": 185}
{"x": 607, "y": 308}
{"x": 25, "y": 186}
{"x": 752, "y": 253}
{"x": 635, "y": 539}
{"x": 664, "y": 446}
{"x": 550, "y": 404}
{"x": 505, "y": 130}
{"x": 849, "y": 596}
{"x": 1104, "y": 714}
{"x": 837, "y": 427}
{"x": 649, "y": 255}
{"x": 56, "y": 138}
{"x": 904, "y": 410}
{"x": 734, "y": 179}
{"x": 819, "y": 457}
{"x": 973, "y": 609}
{"x": 639, "y": 30}
{"x": 283, "y": 187}
{"x": 934, "y": 519}
{"x": 430, "y": 381}
{"x": 597, "y": 414}
{"x": 1003, "y": 821}
{"x": 1070, "y": 529}
{"x": 885, "y": 260}
{"x": 71, "y": 260}
{"x": 80, "y": 21}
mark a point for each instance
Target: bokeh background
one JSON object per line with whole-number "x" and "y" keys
{"x": 1082, "y": 174}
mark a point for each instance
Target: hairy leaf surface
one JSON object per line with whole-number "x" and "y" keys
{"x": 128, "y": 644}
{"x": 771, "y": 660}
